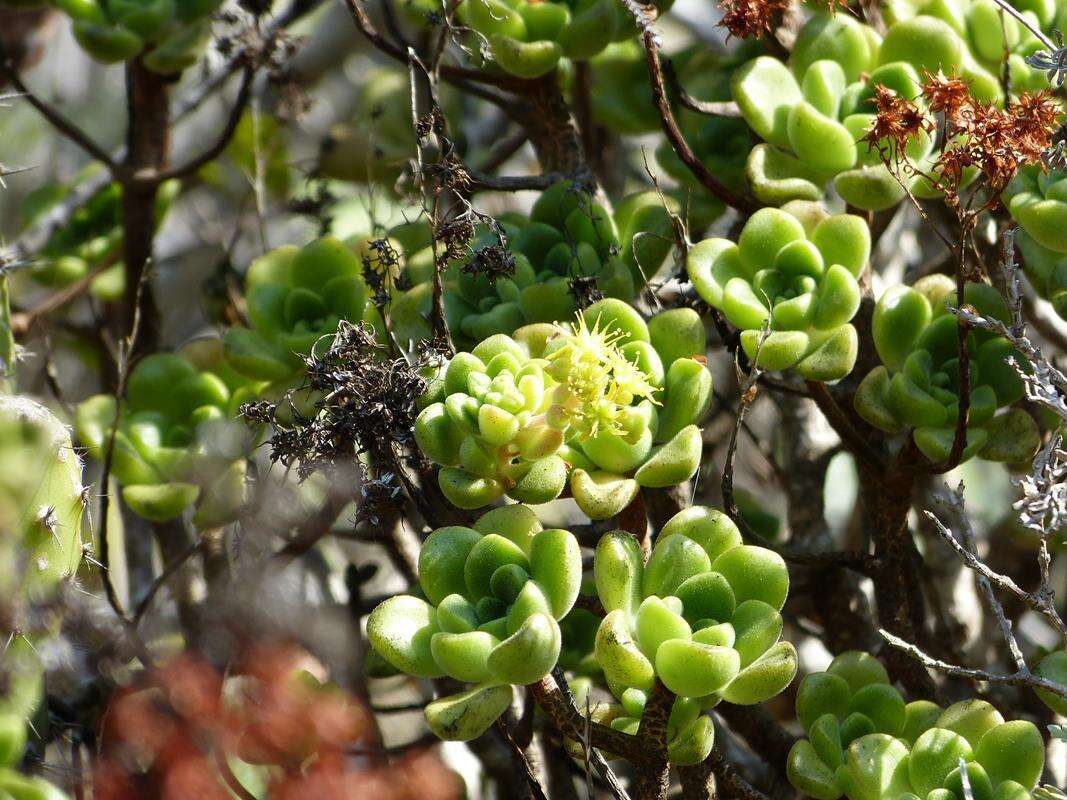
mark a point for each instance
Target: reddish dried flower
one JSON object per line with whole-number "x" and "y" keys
{"x": 750, "y": 18}
{"x": 896, "y": 120}
{"x": 945, "y": 95}
{"x": 997, "y": 141}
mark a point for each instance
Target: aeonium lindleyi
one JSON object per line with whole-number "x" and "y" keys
{"x": 494, "y": 595}
{"x": 917, "y": 386}
{"x": 865, "y": 743}
{"x": 702, "y": 616}
{"x": 796, "y": 277}
{"x": 607, "y": 405}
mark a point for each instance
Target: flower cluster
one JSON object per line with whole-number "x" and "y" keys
{"x": 610, "y": 403}
{"x": 494, "y": 596}
{"x": 791, "y": 289}
{"x": 865, "y": 743}
{"x": 917, "y": 385}
{"x": 702, "y": 616}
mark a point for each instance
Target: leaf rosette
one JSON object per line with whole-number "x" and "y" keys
{"x": 494, "y": 595}
{"x": 605, "y": 406}
{"x": 702, "y": 616}
{"x": 917, "y": 386}
{"x": 529, "y": 39}
{"x": 798, "y": 283}
{"x": 865, "y": 743}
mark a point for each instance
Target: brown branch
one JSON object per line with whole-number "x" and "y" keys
{"x": 532, "y": 781}
{"x": 845, "y": 558}
{"x": 244, "y": 94}
{"x": 22, "y": 321}
{"x": 448, "y": 71}
{"x": 555, "y": 699}
{"x": 511, "y": 183}
{"x": 728, "y": 780}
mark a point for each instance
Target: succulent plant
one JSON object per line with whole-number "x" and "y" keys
{"x": 813, "y": 116}
{"x": 93, "y": 235}
{"x": 529, "y": 39}
{"x": 42, "y": 509}
{"x": 179, "y": 442}
{"x": 42, "y": 499}
{"x": 865, "y": 743}
{"x": 795, "y": 276}
{"x": 916, "y": 386}
{"x": 967, "y": 37}
{"x": 295, "y": 297}
{"x": 610, "y": 402}
{"x": 702, "y": 616}
{"x": 567, "y": 236}
{"x": 169, "y": 35}
{"x": 494, "y": 596}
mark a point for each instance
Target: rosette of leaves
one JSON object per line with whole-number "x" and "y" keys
{"x": 169, "y": 35}
{"x": 702, "y": 616}
{"x": 91, "y": 237}
{"x": 969, "y": 38}
{"x": 525, "y": 275}
{"x": 1053, "y": 667}
{"x": 179, "y": 442}
{"x": 1046, "y": 270}
{"x": 917, "y": 385}
{"x": 529, "y": 39}
{"x": 865, "y": 743}
{"x": 812, "y": 126}
{"x": 377, "y": 141}
{"x": 610, "y": 403}
{"x": 494, "y": 595}
{"x": 295, "y": 297}
{"x": 790, "y": 289}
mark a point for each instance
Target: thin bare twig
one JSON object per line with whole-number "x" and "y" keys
{"x": 244, "y": 94}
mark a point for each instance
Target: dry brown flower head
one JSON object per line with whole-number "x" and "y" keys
{"x": 747, "y": 19}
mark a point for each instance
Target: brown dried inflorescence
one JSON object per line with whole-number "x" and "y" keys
{"x": 945, "y": 95}
{"x": 896, "y": 120}
{"x": 747, "y": 19}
